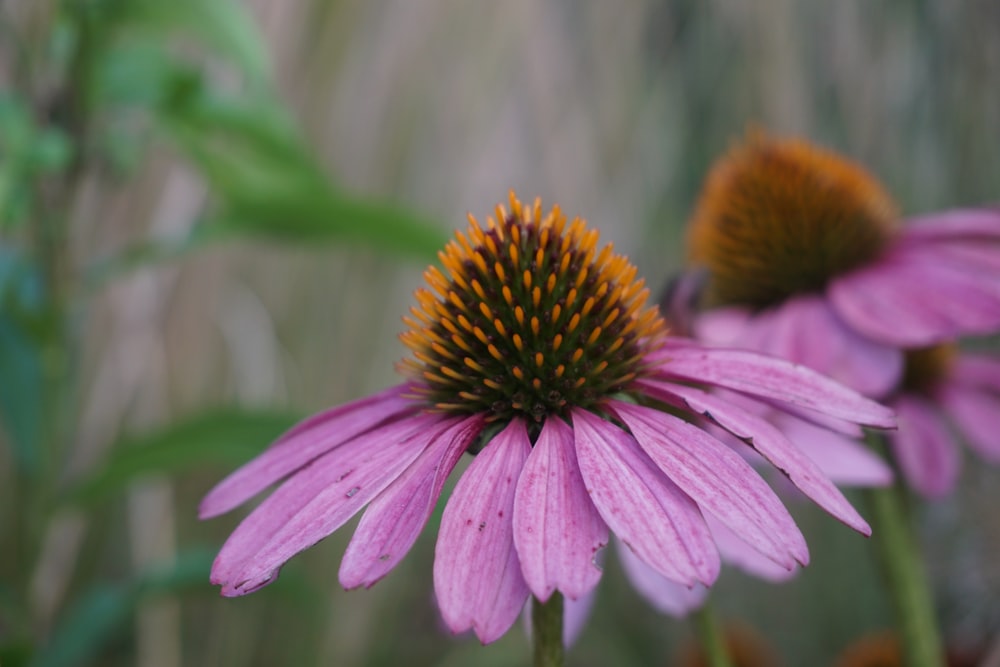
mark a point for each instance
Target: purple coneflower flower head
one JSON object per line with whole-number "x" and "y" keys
{"x": 801, "y": 255}
{"x": 535, "y": 350}
{"x": 945, "y": 393}
{"x": 813, "y": 246}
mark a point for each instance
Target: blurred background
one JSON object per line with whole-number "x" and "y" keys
{"x": 213, "y": 215}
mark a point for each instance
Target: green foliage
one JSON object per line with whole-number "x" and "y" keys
{"x": 263, "y": 176}
{"x": 20, "y": 358}
{"x": 27, "y": 152}
{"x": 100, "y": 613}
{"x": 225, "y": 436}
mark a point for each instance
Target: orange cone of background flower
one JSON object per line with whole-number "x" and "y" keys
{"x": 535, "y": 350}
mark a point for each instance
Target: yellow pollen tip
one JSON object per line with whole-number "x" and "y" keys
{"x": 539, "y": 359}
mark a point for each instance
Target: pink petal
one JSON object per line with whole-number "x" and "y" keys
{"x": 807, "y": 331}
{"x": 739, "y": 554}
{"x": 976, "y": 370}
{"x": 306, "y": 441}
{"x": 665, "y": 596}
{"x": 923, "y": 448}
{"x": 395, "y": 518}
{"x": 477, "y": 575}
{"x": 844, "y": 461}
{"x": 977, "y": 415}
{"x": 575, "y": 615}
{"x": 722, "y": 326}
{"x": 761, "y": 376}
{"x": 772, "y": 445}
{"x": 957, "y": 223}
{"x": 718, "y": 479}
{"x": 319, "y": 499}
{"x": 914, "y": 301}
{"x": 641, "y": 505}
{"x": 557, "y": 530}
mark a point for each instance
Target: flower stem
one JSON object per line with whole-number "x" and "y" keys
{"x": 904, "y": 574}
{"x": 713, "y": 644}
{"x": 546, "y": 630}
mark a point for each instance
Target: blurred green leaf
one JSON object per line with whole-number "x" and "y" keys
{"x": 99, "y": 614}
{"x": 20, "y": 358}
{"x": 270, "y": 183}
{"x": 222, "y": 25}
{"x": 226, "y": 436}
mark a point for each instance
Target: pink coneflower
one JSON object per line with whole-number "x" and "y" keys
{"x": 811, "y": 243}
{"x": 945, "y": 391}
{"x": 536, "y": 352}
{"x": 806, "y": 259}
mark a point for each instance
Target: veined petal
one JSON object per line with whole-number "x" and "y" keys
{"x": 304, "y": 442}
{"x": 718, "y": 479}
{"x": 807, "y": 331}
{"x": 923, "y": 447}
{"x": 739, "y": 554}
{"x": 981, "y": 223}
{"x": 477, "y": 575}
{"x": 773, "y": 445}
{"x": 845, "y": 461}
{"x": 665, "y": 595}
{"x": 760, "y": 376}
{"x": 976, "y": 414}
{"x": 916, "y": 303}
{"x": 557, "y": 530}
{"x": 641, "y": 505}
{"x": 395, "y": 518}
{"x": 319, "y": 499}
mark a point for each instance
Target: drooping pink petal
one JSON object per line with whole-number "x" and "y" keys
{"x": 306, "y": 441}
{"x": 806, "y": 330}
{"x": 477, "y": 574}
{"x": 739, "y": 554}
{"x": 665, "y": 595}
{"x": 957, "y": 223}
{"x": 557, "y": 530}
{"x": 923, "y": 448}
{"x": 976, "y": 414}
{"x": 977, "y": 371}
{"x": 319, "y": 499}
{"x": 844, "y": 461}
{"x": 641, "y": 505}
{"x": 395, "y": 518}
{"x": 761, "y": 376}
{"x": 772, "y": 444}
{"x": 718, "y": 480}
{"x": 911, "y": 303}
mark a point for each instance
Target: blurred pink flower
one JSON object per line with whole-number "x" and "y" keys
{"x": 803, "y": 257}
{"x": 538, "y": 354}
{"x": 945, "y": 392}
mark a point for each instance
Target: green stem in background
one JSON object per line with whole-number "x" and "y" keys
{"x": 713, "y": 644}
{"x": 547, "y": 630}
{"x": 903, "y": 572}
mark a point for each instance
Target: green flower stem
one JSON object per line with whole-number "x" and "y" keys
{"x": 713, "y": 644}
{"x": 903, "y": 571}
{"x": 547, "y": 630}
